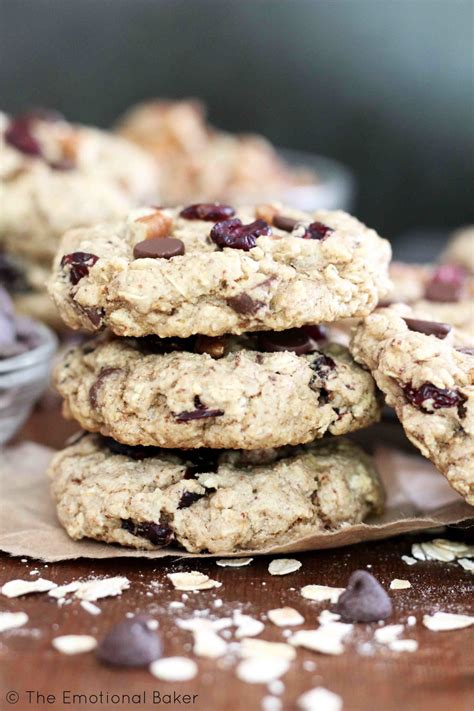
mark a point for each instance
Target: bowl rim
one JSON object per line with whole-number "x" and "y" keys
{"x": 43, "y": 351}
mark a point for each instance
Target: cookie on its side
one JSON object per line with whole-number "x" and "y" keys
{"x": 261, "y": 390}
{"x": 430, "y": 384}
{"x": 207, "y": 500}
{"x": 210, "y": 269}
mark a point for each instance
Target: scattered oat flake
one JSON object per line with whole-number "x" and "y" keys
{"x": 174, "y": 669}
{"x": 398, "y": 584}
{"x": 321, "y": 593}
{"x": 443, "y": 621}
{"x": 247, "y": 626}
{"x": 411, "y": 620}
{"x": 271, "y": 703}
{"x": 319, "y": 699}
{"x": 192, "y": 581}
{"x": 233, "y": 562}
{"x": 403, "y": 645}
{"x": 74, "y": 643}
{"x": 327, "y": 639}
{"x": 90, "y": 607}
{"x": 285, "y": 617}
{"x": 104, "y": 587}
{"x": 208, "y": 644}
{"x": 417, "y": 552}
{"x": 327, "y": 616}
{"x": 284, "y": 566}
{"x": 15, "y": 588}
{"x": 63, "y": 590}
{"x": 460, "y": 549}
{"x": 386, "y": 634}
{"x": 12, "y": 620}
{"x": 262, "y": 670}
{"x": 276, "y": 687}
{"x": 466, "y": 564}
{"x": 251, "y": 647}
{"x": 409, "y": 560}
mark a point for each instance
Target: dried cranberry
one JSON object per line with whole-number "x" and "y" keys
{"x": 200, "y": 412}
{"x": 18, "y": 135}
{"x": 232, "y": 233}
{"x": 160, "y": 534}
{"x": 136, "y": 452}
{"x": 317, "y": 230}
{"x": 188, "y": 499}
{"x": 446, "y": 284}
{"x": 80, "y": 263}
{"x": 438, "y": 397}
{"x": 322, "y": 365}
{"x": 211, "y": 212}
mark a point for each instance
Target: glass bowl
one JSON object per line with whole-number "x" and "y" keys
{"x": 335, "y": 189}
{"x": 24, "y": 378}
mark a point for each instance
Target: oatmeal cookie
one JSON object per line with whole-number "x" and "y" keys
{"x": 430, "y": 384}
{"x": 262, "y": 390}
{"x": 212, "y": 270}
{"x": 215, "y": 501}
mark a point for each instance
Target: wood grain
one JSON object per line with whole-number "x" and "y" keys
{"x": 438, "y": 677}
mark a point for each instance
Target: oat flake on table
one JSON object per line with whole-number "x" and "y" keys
{"x": 15, "y": 588}
{"x": 12, "y": 620}
{"x": 74, "y": 643}
{"x": 284, "y": 566}
{"x": 285, "y": 617}
{"x": 192, "y": 581}
{"x": 444, "y": 621}
{"x": 327, "y": 639}
{"x": 399, "y": 584}
{"x": 233, "y": 562}
{"x": 247, "y": 626}
{"x": 261, "y": 670}
{"x": 319, "y": 699}
{"x": 174, "y": 669}
{"x": 251, "y": 647}
{"x": 321, "y": 593}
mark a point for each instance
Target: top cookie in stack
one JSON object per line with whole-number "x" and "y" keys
{"x": 211, "y": 348}
{"x": 211, "y": 269}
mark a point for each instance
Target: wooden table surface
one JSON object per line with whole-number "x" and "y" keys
{"x": 438, "y": 677}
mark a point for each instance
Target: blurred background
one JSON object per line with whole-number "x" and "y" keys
{"x": 383, "y": 86}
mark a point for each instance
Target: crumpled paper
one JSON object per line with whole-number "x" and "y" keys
{"x": 417, "y": 498}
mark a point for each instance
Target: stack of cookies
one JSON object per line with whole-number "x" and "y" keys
{"x": 213, "y": 396}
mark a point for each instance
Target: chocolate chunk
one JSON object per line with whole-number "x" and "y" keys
{"x": 364, "y": 599}
{"x": 212, "y": 212}
{"x": 130, "y": 643}
{"x": 136, "y": 452}
{"x": 159, "y": 534}
{"x": 446, "y": 284}
{"x": 287, "y": 224}
{"x": 294, "y": 339}
{"x": 79, "y": 264}
{"x": 94, "y": 390}
{"x": 429, "y": 328}
{"x": 188, "y": 499}
{"x": 200, "y": 412}
{"x": 243, "y": 304}
{"x": 158, "y": 248}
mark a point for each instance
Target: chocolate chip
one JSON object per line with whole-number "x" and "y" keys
{"x": 94, "y": 390}
{"x": 287, "y": 224}
{"x": 446, "y": 284}
{"x": 159, "y": 534}
{"x": 294, "y": 339}
{"x": 364, "y": 599}
{"x": 79, "y": 264}
{"x": 212, "y": 212}
{"x": 429, "y": 328}
{"x": 243, "y": 304}
{"x": 200, "y": 412}
{"x": 188, "y": 499}
{"x": 130, "y": 643}
{"x": 158, "y": 248}
{"x": 136, "y": 452}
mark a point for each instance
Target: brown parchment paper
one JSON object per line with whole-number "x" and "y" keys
{"x": 418, "y": 497}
